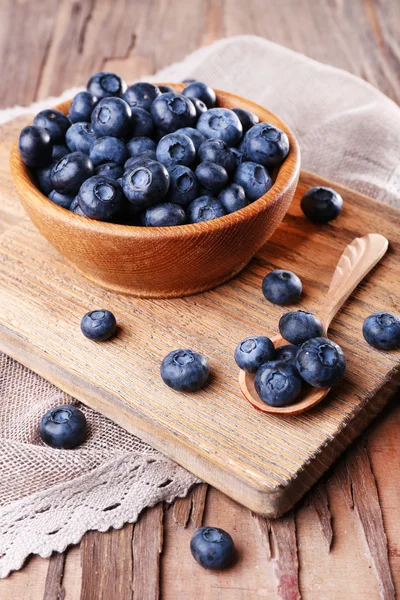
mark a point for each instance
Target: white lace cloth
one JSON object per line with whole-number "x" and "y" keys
{"x": 348, "y": 132}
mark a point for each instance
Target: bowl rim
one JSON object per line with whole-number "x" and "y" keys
{"x": 286, "y": 177}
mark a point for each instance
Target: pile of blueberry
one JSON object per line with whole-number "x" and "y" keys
{"x": 147, "y": 155}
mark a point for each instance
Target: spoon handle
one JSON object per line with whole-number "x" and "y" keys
{"x": 356, "y": 261}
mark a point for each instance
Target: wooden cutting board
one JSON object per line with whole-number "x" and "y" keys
{"x": 264, "y": 462}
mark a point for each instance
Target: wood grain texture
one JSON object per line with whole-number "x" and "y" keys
{"x": 161, "y": 262}
{"x": 54, "y": 589}
{"x": 147, "y": 547}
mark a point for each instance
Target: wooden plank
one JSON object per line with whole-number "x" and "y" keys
{"x": 147, "y": 546}
{"x": 192, "y": 506}
{"x": 54, "y": 589}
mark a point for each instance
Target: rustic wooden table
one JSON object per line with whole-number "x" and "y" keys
{"x": 343, "y": 541}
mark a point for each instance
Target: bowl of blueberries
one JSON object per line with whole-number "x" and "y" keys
{"x": 155, "y": 190}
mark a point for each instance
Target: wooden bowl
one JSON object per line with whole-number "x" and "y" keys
{"x": 162, "y": 262}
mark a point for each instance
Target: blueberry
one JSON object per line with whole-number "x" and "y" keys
{"x": 222, "y": 124}
{"x": 282, "y": 287}
{"x": 287, "y": 353}
{"x": 43, "y": 179}
{"x": 137, "y": 145}
{"x": 80, "y": 137}
{"x": 113, "y": 117}
{"x": 217, "y": 152}
{"x": 105, "y": 84}
{"x": 106, "y": 149}
{"x": 233, "y": 198}
{"x": 141, "y": 95}
{"x": 61, "y": 199}
{"x": 204, "y": 208}
{"x": 247, "y": 118}
{"x": 146, "y": 155}
{"x": 82, "y": 107}
{"x": 298, "y": 326}
{"x": 277, "y": 383}
{"x": 141, "y": 123}
{"x": 201, "y": 91}
{"x": 75, "y": 208}
{"x": 35, "y": 146}
{"x": 238, "y": 156}
{"x": 55, "y": 122}
{"x": 212, "y": 177}
{"x": 185, "y": 370}
{"x": 382, "y": 330}
{"x": 172, "y": 111}
{"x": 254, "y": 179}
{"x": 321, "y": 204}
{"x": 195, "y": 135}
{"x": 266, "y": 145}
{"x": 101, "y": 198}
{"x": 183, "y": 187}
{"x": 253, "y": 352}
{"x": 199, "y": 106}
{"x": 188, "y": 80}
{"x": 165, "y": 89}
{"x": 321, "y": 362}
{"x": 109, "y": 169}
{"x": 59, "y": 150}
{"x": 175, "y": 149}
{"x": 70, "y": 172}
{"x": 98, "y": 325}
{"x": 212, "y": 548}
{"x": 63, "y": 427}
{"x": 145, "y": 183}
{"x": 164, "y": 215}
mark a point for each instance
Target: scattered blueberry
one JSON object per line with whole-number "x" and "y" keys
{"x": 282, "y": 287}
{"x": 43, "y": 179}
{"x": 253, "y": 352}
{"x": 80, "y": 137}
{"x": 185, "y": 370}
{"x": 212, "y": 548}
{"x": 141, "y": 123}
{"x": 221, "y": 123}
{"x": 55, "y": 122}
{"x": 101, "y": 198}
{"x": 247, "y": 118}
{"x": 277, "y": 383}
{"x": 233, "y": 198}
{"x": 137, "y": 145}
{"x": 109, "y": 169}
{"x": 98, "y": 325}
{"x": 63, "y": 427}
{"x": 287, "y": 353}
{"x": 35, "y": 146}
{"x": 201, "y": 91}
{"x": 204, "y": 208}
{"x": 108, "y": 149}
{"x": 382, "y": 331}
{"x": 145, "y": 183}
{"x": 195, "y": 135}
{"x": 183, "y": 187}
{"x": 105, "y": 84}
{"x": 61, "y": 199}
{"x": 172, "y": 111}
{"x": 212, "y": 177}
{"x": 321, "y": 362}
{"x": 321, "y": 204}
{"x": 164, "y": 215}
{"x": 82, "y": 107}
{"x": 254, "y": 179}
{"x": 112, "y": 117}
{"x": 141, "y": 95}
{"x": 59, "y": 150}
{"x": 266, "y": 145}
{"x": 298, "y": 326}
{"x": 175, "y": 149}
{"x": 70, "y": 172}
{"x": 217, "y": 151}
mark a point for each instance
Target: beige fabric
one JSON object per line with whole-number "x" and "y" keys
{"x": 348, "y": 132}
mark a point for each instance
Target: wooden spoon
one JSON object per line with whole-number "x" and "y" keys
{"x": 356, "y": 261}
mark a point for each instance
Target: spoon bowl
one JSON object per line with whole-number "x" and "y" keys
{"x": 358, "y": 258}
